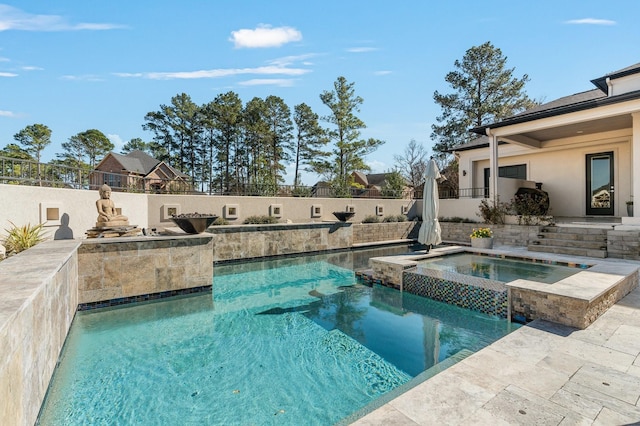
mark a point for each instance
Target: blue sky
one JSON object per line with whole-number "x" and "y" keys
{"x": 78, "y": 65}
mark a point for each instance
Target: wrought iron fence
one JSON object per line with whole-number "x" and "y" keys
{"x": 449, "y": 193}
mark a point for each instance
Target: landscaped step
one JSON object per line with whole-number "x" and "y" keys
{"x": 572, "y": 240}
{"x": 571, "y": 251}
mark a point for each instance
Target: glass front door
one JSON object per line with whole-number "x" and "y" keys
{"x": 600, "y": 185}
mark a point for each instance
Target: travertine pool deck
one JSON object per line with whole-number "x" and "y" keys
{"x": 541, "y": 374}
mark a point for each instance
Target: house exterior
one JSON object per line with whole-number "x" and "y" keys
{"x": 584, "y": 149}
{"x": 138, "y": 171}
{"x": 373, "y": 184}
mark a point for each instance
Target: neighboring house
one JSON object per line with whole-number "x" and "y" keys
{"x": 138, "y": 171}
{"x": 373, "y": 185}
{"x": 584, "y": 149}
{"x": 371, "y": 182}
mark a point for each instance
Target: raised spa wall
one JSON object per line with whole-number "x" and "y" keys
{"x": 43, "y": 287}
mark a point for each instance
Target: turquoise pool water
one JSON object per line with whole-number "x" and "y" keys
{"x": 498, "y": 269}
{"x": 294, "y": 341}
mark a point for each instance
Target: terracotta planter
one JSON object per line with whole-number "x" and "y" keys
{"x": 483, "y": 243}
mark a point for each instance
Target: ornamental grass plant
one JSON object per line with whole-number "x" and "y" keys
{"x": 20, "y": 238}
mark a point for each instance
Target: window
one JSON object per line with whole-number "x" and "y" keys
{"x": 518, "y": 171}
{"x": 513, "y": 172}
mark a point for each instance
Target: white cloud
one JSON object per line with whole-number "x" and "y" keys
{"x": 590, "y": 21}
{"x": 88, "y": 77}
{"x": 7, "y": 114}
{"x": 382, "y": 72}
{"x": 32, "y": 68}
{"x": 12, "y": 18}
{"x": 264, "y": 36}
{"x": 377, "y": 166}
{"x": 4, "y": 59}
{"x": 216, "y": 73}
{"x": 282, "y": 82}
{"x": 8, "y": 74}
{"x": 361, "y": 49}
{"x": 289, "y": 60}
{"x": 117, "y": 141}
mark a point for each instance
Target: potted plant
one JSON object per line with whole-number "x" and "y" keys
{"x": 481, "y": 238}
{"x": 630, "y": 208}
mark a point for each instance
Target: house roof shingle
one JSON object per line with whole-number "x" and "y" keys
{"x": 137, "y": 161}
{"x": 140, "y": 162}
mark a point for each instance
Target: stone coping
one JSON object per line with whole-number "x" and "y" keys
{"x": 219, "y": 229}
{"x": 383, "y": 243}
{"x": 142, "y": 238}
{"x": 22, "y": 275}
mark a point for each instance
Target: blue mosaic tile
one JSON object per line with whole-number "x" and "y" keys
{"x": 489, "y": 298}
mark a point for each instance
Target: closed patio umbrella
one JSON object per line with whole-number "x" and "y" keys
{"x": 430, "y": 233}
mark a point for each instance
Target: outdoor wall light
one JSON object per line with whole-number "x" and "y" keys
{"x": 464, "y": 173}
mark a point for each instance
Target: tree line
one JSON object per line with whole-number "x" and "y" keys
{"x": 225, "y": 144}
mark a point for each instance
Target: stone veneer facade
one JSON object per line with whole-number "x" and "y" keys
{"x": 256, "y": 241}
{"x": 116, "y": 268}
{"x": 574, "y": 311}
{"x": 373, "y": 232}
{"x": 510, "y": 235}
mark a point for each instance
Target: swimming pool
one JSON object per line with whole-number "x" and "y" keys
{"x": 293, "y": 341}
{"x": 499, "y": 269}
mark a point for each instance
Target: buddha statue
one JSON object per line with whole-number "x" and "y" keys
{"x": 107, "y": 213}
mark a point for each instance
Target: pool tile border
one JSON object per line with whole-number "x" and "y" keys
{"x": 142, "y": 298}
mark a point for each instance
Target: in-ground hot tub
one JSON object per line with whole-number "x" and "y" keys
{"x": 575, "y": 300}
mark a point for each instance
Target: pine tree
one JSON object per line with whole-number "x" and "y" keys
{"x": 484, "y": 91}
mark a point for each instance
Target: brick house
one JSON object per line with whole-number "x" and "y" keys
{"x": 138, "y": 171}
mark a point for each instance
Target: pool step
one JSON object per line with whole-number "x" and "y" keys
{"x": 590, "y": 241}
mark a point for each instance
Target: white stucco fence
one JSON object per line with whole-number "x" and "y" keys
{"x": 69, "y": 213}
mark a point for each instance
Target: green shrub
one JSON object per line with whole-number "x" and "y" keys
{"x": 220, "y": 221}
{"x": 20, "y": 238}
{"x": 301, "y": 191}
{"x": 456, "y": 219}
{"x": 494, "y": 214}
{"x": 260, "y": 220}
{"x": 395, "y": 218}
{"x": 371, "y": 219}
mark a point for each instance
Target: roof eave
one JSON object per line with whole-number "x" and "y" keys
{"x": 567, "y": 109}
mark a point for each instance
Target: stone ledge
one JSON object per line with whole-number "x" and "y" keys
{"x": 39, "y": 298}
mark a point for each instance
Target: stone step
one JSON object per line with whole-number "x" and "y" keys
{"x": 557, "y": 242}
{"x": 575, "y": 230}
{"x": 572, "y": 236}
{"x": 572, "y": 251}
{"x": 572, "y": 240}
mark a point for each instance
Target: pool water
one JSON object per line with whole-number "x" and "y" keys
{"x": 284, "y": 342}
{"x": 499, "y": 269}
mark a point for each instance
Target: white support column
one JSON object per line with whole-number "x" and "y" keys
{"x": 635, "y": 166}
{"x": 493, "y": 167}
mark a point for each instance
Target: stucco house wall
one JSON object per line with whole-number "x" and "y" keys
{"x": 560, "y": 166}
